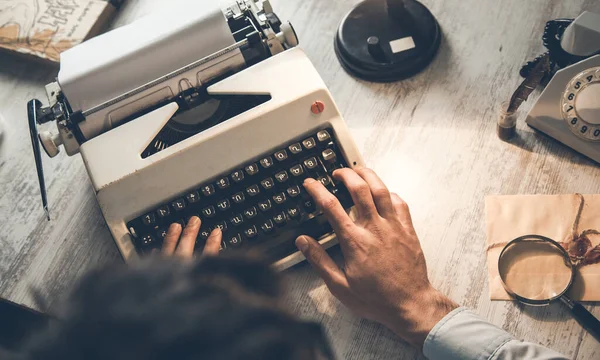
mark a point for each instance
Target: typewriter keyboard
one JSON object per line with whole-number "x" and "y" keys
{"x": 260, "y": 205}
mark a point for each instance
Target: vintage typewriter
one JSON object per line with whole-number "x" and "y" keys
{"x": 198, "y": 111}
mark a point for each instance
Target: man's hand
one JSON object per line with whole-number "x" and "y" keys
{"x": 184, "y": 246}
{"x": 385, "y": 277}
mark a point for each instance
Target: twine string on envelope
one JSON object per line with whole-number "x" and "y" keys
{"x": 578, "y": 245}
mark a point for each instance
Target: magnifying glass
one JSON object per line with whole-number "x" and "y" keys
{"x": 537, "y": 270}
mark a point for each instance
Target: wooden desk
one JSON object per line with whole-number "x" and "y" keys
{"x": 431, "y": 138}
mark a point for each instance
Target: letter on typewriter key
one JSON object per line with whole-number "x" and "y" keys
{"x": 309, "y": 143}
{"x": 161, "y": 233}
{"x": 264, "y": 205}
{"x": 297, "y": 170}
{"x": 279, "y": 218}
{"x": 192, "y": 197}
{"x": 311, "y": 163}
{"x": 250, "y": 232}
{"x": 238, "y": 197}
{"x": 252, "y": 169}
{"x": 149, "y": 219}
{"x": 163, "y": 211}
{"x": 253, "y": 190}
{"x": 237, "y": 220}
{"x": 237, "y": 176}
{"x": 250, "y": 212}
{"x": 208, "y": 211}
{"x": 267, "y": 226}
{"x": 281, "y": 155}
{"x": 293, "y": 191}
{"x": 221, "y": 225}
{"x": 309, "y": 206}
{"x": 223, "y": 183}
{"x": 266, "y": 162}
{"x": 235, "y": 240}
{"x": 204, "y": 234}
{"x": 267, "y": 183}
{"x": 293, "y": 212}
{"x": 208, "y": 190}
{"x": 178, "y": 204}
{"x": 282, "y": 176}
{"x": 223, "y": 204}
{"x": 323, "y": 136}
{"x": 279, "y": 198}
{"x": 295, "y": 148}
{"x": 324, "y": 180}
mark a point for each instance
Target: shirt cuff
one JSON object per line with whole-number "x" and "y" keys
{"x": 463, "y": 335}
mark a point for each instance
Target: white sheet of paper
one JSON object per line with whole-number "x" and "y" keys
{"x": 109, "y": 65}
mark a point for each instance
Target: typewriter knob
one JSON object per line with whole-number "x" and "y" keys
{"x": 50, "y": 142}
{"x": 288, "y": 35}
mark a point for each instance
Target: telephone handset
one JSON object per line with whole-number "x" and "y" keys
{"x": 569, "y": 107}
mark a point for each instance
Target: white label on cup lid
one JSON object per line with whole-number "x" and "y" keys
{"x": 402, "y": 44}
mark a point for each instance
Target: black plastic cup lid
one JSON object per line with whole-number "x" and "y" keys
{"x": 376, "y": 45}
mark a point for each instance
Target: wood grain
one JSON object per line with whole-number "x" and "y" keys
{"x": 431, "y": 138}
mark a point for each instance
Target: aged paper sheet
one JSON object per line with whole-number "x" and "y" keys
{"x": 45, "y": 28}
{"x": 508, "y": 217}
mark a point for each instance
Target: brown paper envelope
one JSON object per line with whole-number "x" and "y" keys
{"x": 508, "y": 217}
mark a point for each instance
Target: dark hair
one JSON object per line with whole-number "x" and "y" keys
{"x": 215, "y": 308}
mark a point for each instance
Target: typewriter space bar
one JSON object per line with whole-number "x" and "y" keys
{"x": 286, "y": 243}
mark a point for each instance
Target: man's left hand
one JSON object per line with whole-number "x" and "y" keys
{"x": 181, "y": 243}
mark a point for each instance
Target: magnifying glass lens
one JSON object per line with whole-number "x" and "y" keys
{"x": 535, "y": 269}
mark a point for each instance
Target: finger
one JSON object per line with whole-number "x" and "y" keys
{"x": 359, "y": 190}
{"x": 331, "y": 207}
{"x": 185, "y": 248}
{"x": 332, "y": 275}
{"x": 402, "y": 211}
{"x": 213, "y": 243}
{"x": 379, "y": 192}
{"x": 171, "y": 239}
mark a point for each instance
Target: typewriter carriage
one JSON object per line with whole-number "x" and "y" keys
{"x": 87, "y": 112}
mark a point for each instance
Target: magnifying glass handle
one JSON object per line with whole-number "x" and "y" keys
{"x": 584, "y": 317}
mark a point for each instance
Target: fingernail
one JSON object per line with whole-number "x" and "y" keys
{"x": 194, "y": 220}
{"x": 302, "y": 243}
{"x": 175, "y": 227}
{"x": 216, "y": 231}
{"x": 308, "y": 181}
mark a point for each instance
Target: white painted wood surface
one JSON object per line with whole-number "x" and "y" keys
{"x": 431, "y": 138}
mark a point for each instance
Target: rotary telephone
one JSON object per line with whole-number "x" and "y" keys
{"x": 569, "y": 107}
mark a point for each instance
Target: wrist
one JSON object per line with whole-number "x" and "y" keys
{"x": 419, "y": 316}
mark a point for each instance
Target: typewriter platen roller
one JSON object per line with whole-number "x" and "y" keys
{"x": 170, "y": 102}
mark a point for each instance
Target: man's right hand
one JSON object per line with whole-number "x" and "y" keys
{"x": 385, "y": 276}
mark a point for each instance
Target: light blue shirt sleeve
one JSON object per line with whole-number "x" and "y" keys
{"x": 463, "y": 335}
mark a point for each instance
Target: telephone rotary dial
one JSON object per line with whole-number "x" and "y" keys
{"x": 580, "y": 104}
